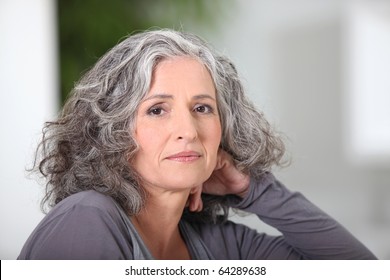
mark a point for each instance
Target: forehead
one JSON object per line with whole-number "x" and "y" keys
{"x": 182, "y": 72}
{"x": 170, "y": 64}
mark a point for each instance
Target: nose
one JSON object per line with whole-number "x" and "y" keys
{"x": 185, "y": 127}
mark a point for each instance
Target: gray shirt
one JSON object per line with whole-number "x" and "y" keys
{"x": 90, "y": 225}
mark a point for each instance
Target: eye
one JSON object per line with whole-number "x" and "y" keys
{"x": 204, "y": 109}
{"x": 155, "y": 111}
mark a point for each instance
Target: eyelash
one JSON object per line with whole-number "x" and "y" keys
{"x": 152, "y": 111}
{"x": 209, "y": 109}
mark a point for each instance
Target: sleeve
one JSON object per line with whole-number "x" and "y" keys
{"x": 308, "y": 232}
{"x": 81, "y": 233}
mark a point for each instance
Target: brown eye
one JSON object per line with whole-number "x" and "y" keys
{"x": 204, "y": 109}
{"x": 155, "y": 111}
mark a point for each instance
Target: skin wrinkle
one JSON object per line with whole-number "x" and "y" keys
{"x": 178, "y": 116}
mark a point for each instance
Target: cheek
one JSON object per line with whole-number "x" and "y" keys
{"x": 143, "y": 139}
{"x": 147, "y": 137}
{"x": 147, "y": 151}
{"x": 216, "y": 134}
{"x": 213, "y": 133}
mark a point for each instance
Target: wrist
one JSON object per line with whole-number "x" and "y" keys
{"x": 245, "y": 184}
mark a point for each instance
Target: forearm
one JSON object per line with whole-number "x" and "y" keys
{"x": 310, "y": 231}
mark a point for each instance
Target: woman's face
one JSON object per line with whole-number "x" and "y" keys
{"x": 178, "y": 127}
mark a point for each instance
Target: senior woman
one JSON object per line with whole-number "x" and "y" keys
{"x": 155, "y": 144}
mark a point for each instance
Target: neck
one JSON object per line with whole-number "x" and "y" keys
{"x": 158, "y": 224}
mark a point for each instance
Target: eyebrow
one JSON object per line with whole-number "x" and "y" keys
{"x": 169, "y": 96}
{"x": 203, "y": 96}
{"x": 159, "y": 96}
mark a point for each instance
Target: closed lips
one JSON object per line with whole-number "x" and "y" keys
{"x": 184, "y": 156}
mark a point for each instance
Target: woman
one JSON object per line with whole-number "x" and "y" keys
{"x": 153, "y": 147}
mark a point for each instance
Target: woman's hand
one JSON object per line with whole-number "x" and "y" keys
{"x": 225, "y": 179}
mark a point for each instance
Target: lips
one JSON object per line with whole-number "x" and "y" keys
{"x": 186, "y": 156}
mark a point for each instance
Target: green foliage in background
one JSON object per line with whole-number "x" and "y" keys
{"x": 88, "y": 28}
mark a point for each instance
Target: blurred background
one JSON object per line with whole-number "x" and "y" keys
{"x": 320, "y": 70}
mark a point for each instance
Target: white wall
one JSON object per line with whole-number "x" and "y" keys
{"x": 28, "y": 89}
{"x": 367, "y": 54}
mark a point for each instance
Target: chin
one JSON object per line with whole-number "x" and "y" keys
{"x": 179, "y": 178}
{"x": 184, "y": 184}
{"x": 184, "y": 181}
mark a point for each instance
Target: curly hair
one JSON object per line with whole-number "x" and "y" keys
{"x": 89, "y": 145}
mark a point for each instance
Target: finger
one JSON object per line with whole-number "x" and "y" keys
{"x": 223, "y": 158}
{"x": 195, "y": 200}
{"x": 196, "y": 205}
{"x": 220, "y": 157}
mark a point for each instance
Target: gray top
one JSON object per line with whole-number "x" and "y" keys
{"x": 90, "y": 225}
{"x": 195, "y": 245}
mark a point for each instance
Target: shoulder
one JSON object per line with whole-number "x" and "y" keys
{"x": 88, "y": 198}
{"x": 86, "y": 225}
{"x": 86, "y": 206}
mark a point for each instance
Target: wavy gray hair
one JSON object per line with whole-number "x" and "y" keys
{"x": 91, "y": 142}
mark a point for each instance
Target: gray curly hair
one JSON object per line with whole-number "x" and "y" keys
{"x": 91, "y": 142}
